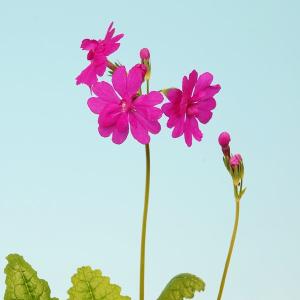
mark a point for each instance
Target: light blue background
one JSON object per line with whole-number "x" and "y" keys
{"x": 70, "y": 198}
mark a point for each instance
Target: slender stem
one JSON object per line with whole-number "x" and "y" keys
{"x": 111, "y": 65}
{"x": 235, "y": 227}
{"x": 144, "y": 226}
{"x": 147, "y": 85}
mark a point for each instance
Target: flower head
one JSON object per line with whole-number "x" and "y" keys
{"x": 119, "y": 106}
{"x": 98, "y": 51}
{"x": 191, "y": 105}
{"x": 145, "y": 54}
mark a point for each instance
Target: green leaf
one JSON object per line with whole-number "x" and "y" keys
{"x": 89, "y": 284}
{"x": 182, "y": 286}
{"x": 22, "y": 282}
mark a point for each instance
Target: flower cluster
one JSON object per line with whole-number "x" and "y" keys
{"x": 122, "y": 107}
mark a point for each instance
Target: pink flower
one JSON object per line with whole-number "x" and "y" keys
{"x": 235, "y": 160}
{"x": 224, "y": 139}
{"x": 118, "y": 106}
{"x": 194, "y": 103}
{"x": 144, "y": 54}
{"x": 98, "y": 51}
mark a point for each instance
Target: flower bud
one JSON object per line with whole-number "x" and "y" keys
{"x": 235, "y": 160}
{"x": 145, "y": 54}
{"x": 224, "y": 139}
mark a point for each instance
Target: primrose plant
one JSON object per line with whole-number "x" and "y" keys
{"x": 126, "y": 104}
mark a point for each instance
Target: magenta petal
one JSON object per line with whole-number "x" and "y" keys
{"x": 110, "y": 31}
{"x": 195, "y": 129}
{"x": 96, "y": 105}
{"x": 121, "y": 130}
{"x": 207, "y": 104}
{"x": 209, "y": 92}
{"x": 203, "y": 81}
{"x": 151, "y": 99}
{"x": 149, "y": 125}
{"x": 179, "y": 127}
{"x": 134, "y": 80}
{"x": 88, "y": 44}
{"x": 153, "y": 113}
{"x": 173, "y": 120}
{"x": 119, "y": 81}
{"x": 88, "y": 76}
{"x": 105, "y": 131}
{"x": 138, "y": 131}
{"x": 188, "y": 84}
{"x": 174, "y": 95}
{"x": 168, "y": 109}
{"x": 105, "y": 92}
{"x": 204, "y": 116}
{"x": 188, "y": 132}
{"x": 116, "y": 38}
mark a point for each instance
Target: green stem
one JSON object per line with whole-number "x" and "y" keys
{"x": 235, "y": 227}
{"x": 144, "y": 226}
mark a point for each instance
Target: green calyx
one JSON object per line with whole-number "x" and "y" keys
{"x": 237, "y": 175}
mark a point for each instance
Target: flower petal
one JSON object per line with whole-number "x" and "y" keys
{"x": 204, "y": 116}
{"x": 119, "y": 81}
{"x": 188, "y": 132}
{"x": 151, "y": 99}
{"x": 174, "y": 95}
{"x": 207, "y": 104}
{"x": 121, "y": 129}
{"x": 188, "y": 84}
{"x": 105, "y": 131}
{"x": 203, "y": 82}
{"x": 195, "y": 129}
{"x": 110, "y": 115}
{"x": 88, "y": 76}
{"x": 96, "y": 105}
{"x": 88, "y": 44}
{"x": 138, "y": 131}
{"x": 105, "y": 92}
{"x": 168, "y": 109}
{"x": 179, "y": 127}
{"x": 134, "y": 80}
{"x": 209, "y": 92}
{"x": 150, "y": 125}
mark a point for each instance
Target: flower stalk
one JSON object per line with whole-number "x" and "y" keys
{"x": 232, "y": 241}
{"x": 144, "y": 225}
{"x": 235, "y": 167}
{"x": 145, "y": 215}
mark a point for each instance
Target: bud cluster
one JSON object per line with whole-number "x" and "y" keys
{"x": 233, "y": 163}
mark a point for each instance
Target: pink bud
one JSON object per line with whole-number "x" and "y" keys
{"x": 144, "y": 53}
{"x": 224, "y": 139}
{"x": 235, "y": 160}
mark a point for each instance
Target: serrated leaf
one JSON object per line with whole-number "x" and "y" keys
{"x": 182, "y": 286}
{"x": 22, "y": 282}
{"x": 89, "y": 284}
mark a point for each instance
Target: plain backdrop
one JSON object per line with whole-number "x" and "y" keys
{"x": 70, "y": 198}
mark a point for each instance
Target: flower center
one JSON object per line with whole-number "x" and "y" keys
{"x": 124, "y": 106}
{"x": 191, "y": 110}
